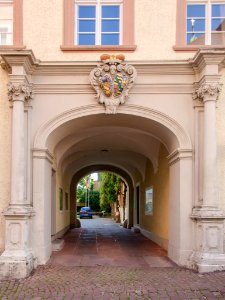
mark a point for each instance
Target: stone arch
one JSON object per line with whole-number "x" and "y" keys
{"x": 93, "y": 168}
{"x": 168, "y": 131}
{"x": 183, "y": 139}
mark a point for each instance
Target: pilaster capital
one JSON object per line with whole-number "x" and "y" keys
{"x": 207, "y": 91}
{"x": 19, "y": 92}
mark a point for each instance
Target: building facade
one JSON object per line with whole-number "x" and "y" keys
{"x": 133, "y": 87}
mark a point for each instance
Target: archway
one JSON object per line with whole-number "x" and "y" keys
{"x": 133, "y": 137}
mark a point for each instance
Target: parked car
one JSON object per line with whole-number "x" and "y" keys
{"x": 85, "y": 212}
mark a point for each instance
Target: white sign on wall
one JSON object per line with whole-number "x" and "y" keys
{"x": 149, "y": 201}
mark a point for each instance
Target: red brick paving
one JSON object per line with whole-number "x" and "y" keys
{"x": 119, "y": 265}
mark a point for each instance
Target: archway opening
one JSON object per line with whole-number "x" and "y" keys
{"x": 136, "y": 148}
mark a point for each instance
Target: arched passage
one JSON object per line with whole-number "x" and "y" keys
{"x": 98, "y": 168}
{"x": 73, "y": 143}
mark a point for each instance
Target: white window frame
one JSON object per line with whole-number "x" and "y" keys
{"x": 6, "y": 33}
{"x": 208, "y": 16}
{"x": 98, "y": 19}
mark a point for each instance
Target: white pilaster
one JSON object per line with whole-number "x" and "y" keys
{"x": 209, "y": 219}
{"x": 17, "y": 260}
{"x": 180, "y": 227}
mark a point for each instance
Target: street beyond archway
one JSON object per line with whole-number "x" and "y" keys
{"x": 102, "y": 260}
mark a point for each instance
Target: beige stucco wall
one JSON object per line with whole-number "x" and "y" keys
{"x": 62, "y": 216}
{"x": 155, "y": 31}
{"x": 158, "y": 222}
{"x": 5, "y": 149}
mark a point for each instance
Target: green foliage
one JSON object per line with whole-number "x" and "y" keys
{"x": 81, "y": 190}
{"x": 94, "y": 199}
{"x": 109, "y": 189}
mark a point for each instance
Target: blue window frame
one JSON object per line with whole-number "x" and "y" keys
{"x": 98, "y": 23}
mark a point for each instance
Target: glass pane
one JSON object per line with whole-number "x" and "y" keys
{"x": 196, "y": 38}
{"x": 6, "y": 12}
{"x": 86, "y": 39}
{"x": 110, "y": 26}
{"x": 86, "y": 26}
{"x": 196, "y": 10}
{"x": 218, "y": 38}
{"x": 218, "y": 24}
{"x": 110, "y": 39}
{"x": 218, "y": 10}
{"x": 110, "y": 11}
{"x": 195, "y": 25}
{"x": 86, "y": 11}
{"x": 6, "y": 39}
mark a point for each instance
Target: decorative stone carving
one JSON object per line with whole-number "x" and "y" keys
{"x": 207, "y": 89}
{"x": 112, "y": 80}
{"x": 15, "y": 91}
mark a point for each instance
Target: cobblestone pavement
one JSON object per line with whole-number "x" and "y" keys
{"x": 153, "y": 277}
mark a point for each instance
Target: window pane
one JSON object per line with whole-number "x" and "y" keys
{"x": 196, "y": 38}
{"x": 198, "y": 25}
{"x": 218, "y": 10}
{"x": 86, "y": 39}
{"x": 218, "y": 38}
{"x": 218, "y": 24}
{"x": 110, "y": 26}
{"x": 86, "y": 26}
{"x": 6, "y": 24}
{"x": 196, "y": 11}
{"x": 86, "y": 11}
{"x": 110, "y": 11}
{"x": 110, "y": 39}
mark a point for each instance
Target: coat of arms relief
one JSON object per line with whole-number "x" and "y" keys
{"x": 112, "y": 80}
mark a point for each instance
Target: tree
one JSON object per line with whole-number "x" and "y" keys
{"x": 81, "y": 190}
{"x": 109, "y": 188}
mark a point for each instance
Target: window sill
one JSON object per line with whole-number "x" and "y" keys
{"x": 128, "y": 48}
{"x": 12, "y": 47}
{"x": 194, "y": 48}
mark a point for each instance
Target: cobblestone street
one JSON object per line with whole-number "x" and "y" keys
{"x": 101, "y": 260}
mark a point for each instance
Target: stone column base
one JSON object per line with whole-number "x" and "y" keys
{"x": 208, "y": 255}
{"x": 12, "y": 267}
{"x": 208, "y": 262}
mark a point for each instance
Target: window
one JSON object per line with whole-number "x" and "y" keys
{"x": 200, "y": 22}
{"x": 206, "y": 23}
{"x": 98, "y": 25}
{"x": 11, "y": 24}
{"x": 6, "y": 23}
{"x": 60, "y": 199}
{"x": 66, "y": 200}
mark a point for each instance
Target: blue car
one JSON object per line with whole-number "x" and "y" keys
{"x": 85, "y": 212}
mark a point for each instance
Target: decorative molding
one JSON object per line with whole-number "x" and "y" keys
{"x": 18, "y": 92}
{"x": 179, "y": 154}
{"x": 207, "y": 90}
{"x": 112, "y": 80}
{"x": 137, "y": 89}
{"x": 43, "y": 154}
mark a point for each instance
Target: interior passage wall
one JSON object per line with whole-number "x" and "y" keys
{"x": 5, "y": 150}
{"x": 157, "y": 223}
{"x": 62, "y": 202}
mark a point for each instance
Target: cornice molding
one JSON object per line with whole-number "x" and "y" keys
{"x": 206, "y": 57}
{"x": 34, "y": 66}
{"x": 137, "y": 89}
